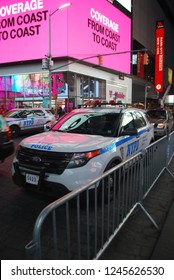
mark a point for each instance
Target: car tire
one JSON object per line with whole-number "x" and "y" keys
{"x": 15, "y": 131}
{"x": 108, "y": 191}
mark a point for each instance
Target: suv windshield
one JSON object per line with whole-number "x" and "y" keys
{"x": 95, "y": 123}
{"x": 157, "y": 114}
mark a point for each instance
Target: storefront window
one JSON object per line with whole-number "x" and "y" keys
{"x": 30, "y": 85}
{"x": 6, "y": 93}
{"x": 60, "y": 85}
{"x": 25, "y": 88}
{"x": 69, "y": 89}
{"x": 92, "y": 88}
{"x": 83, "y": 88}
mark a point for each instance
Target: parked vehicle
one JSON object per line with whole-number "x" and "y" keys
{"x": 163, "y": 121}
{"x": 6, "y": 144}
{"x": 80, "y": 147}
{"x": 28, "y": 120}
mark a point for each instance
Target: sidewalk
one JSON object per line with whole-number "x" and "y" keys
{"x": 164, "y": 249}
{"x": 139, "y": 239}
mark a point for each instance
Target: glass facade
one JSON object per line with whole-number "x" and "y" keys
{"x": 83, "y": 88}
{"x": 16, "y": 89}
{"x": 69, "y": 89}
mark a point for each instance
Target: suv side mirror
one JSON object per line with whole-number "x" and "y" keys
{"x": 47, "y": 127}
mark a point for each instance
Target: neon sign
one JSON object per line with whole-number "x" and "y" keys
{"x": 100, "y": 28}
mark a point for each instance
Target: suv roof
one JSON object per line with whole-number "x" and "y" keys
{"x": 107, "y": 109}
{"x": 29, "y": 109}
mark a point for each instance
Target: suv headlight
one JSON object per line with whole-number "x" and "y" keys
{"x": 161, "y": 125}
{"x": 80, "y": 159}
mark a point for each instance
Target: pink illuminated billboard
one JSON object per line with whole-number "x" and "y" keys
{"x": 83, "y": 30}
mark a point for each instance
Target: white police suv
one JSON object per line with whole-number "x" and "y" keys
{"x": 28, "y": 120}
{"x": 80, "y": 147}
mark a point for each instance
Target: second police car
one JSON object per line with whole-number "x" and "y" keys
{"x": 80, "y": 147}
{"x": 22, "y": 120}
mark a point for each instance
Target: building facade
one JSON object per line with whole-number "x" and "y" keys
{"x": 146, "y": 15}
{"x": 82, "y": 52}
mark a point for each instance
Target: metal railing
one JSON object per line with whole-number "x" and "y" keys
{"x": 81, "y": 224}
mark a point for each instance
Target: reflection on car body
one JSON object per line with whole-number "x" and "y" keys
{"x": 80, "y": 147}
{"x": 28, "y": 120}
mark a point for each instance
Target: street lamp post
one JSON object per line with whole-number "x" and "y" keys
{"x": 50, "y": 64}
{"x": 145, "y": 101}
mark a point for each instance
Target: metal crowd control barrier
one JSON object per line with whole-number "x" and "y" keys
{"x": 82, "y": 224}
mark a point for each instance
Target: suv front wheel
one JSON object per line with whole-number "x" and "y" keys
{"x": 109, "y": 184}
{"x": 15, "y": 131}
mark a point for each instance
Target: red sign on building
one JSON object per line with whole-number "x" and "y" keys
{"x": 159, "y": 58}
{"x": 140, "y": 65}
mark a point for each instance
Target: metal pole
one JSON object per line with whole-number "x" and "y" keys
{"x": 50, "y": 51}
{"x": 145, "y": 101}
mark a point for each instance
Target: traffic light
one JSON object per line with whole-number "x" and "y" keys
{"x": 100, "y": 60}
{"x": 146, "y": 58}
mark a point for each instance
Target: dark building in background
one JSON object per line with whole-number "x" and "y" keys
{"x": 145, "y": 16}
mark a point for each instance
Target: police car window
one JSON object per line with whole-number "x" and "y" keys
{"x": 39, "y": 113}
{"x": 92, "y": 123}
{"x": 14, "y": 114}
{"x": 28, "y": 114}
{"x": 139, "y": 120}
{"x": 127, "y": 121}
{"x": 50, "y": 112}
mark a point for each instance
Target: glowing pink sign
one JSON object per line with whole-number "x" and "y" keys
{"x": 82, "y": 30}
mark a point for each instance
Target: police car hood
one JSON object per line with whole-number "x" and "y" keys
{"x": 66, "y": 142}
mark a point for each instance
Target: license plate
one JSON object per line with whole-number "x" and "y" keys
{"x": 32, "y": 179}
